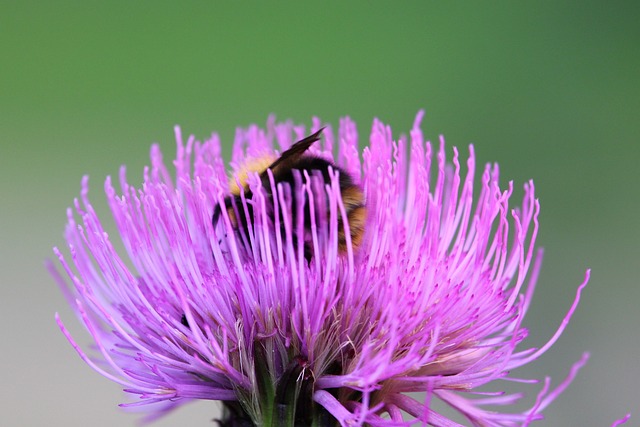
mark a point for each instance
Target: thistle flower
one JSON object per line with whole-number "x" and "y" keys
{"x": 432, "y": 300}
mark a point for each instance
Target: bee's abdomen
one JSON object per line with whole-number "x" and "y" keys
{"x": 351, "y": 194}
{"x": 353, "y": 200}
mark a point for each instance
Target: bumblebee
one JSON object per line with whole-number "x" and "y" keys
{"x": 282, "y": 169}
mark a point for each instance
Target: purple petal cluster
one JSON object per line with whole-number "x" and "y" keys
{"x": 432, "y": 301}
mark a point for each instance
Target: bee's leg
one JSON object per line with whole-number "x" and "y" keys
{"x": 308, "y": 252}
{"x": 216, "y": 215}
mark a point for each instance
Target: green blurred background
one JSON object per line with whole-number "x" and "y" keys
{"x": 549, "y": 90}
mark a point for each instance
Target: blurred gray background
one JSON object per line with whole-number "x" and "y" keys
{"x": 549, "y": 90}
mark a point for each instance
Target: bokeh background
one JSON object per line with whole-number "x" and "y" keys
{"x": 549, "y": 90}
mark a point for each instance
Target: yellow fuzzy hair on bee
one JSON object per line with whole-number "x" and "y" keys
{"x": 241, "y": 176}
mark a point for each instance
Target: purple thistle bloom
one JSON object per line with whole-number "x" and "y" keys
{"x": 431, "y": 301}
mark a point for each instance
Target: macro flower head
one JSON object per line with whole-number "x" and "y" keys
{"x": 274, "y": 310}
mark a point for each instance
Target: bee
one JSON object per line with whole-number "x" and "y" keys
{"x": 282, "y": 169}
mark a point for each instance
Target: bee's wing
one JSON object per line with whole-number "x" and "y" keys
{"x": 294, "y": 152}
